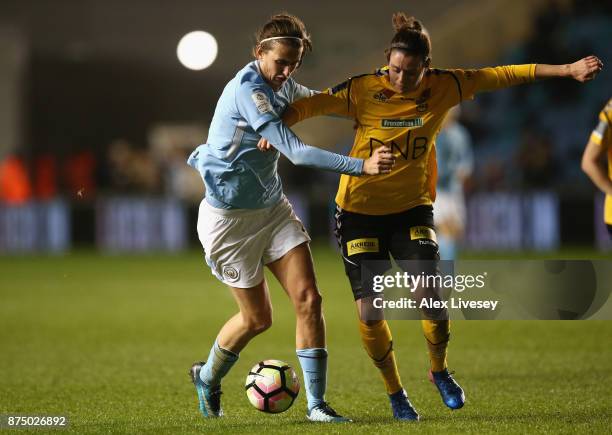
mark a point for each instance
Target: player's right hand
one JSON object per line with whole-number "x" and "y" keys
{"x": 585, "y": 69}
{"x": 381, "y": 161}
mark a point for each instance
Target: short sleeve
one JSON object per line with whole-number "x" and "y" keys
{"x": 255, "y": 105}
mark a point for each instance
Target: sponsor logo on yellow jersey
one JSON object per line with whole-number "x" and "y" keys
{"x": 402, "y": 123}
{"x": 359, "y": 246}
{"x": 422, "y": 233}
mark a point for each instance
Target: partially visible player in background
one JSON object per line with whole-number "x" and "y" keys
{"x": 593, "y": 160}
{"x": 245, "y": 222}
{"x": 402, "y": 105}
{"x": 455, "y": 165}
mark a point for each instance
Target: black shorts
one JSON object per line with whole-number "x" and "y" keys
{"x": 409, "y": 235}
{"x": 610, "y": 230}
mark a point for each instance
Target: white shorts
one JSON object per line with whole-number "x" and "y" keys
{"x": 239, "y": 242}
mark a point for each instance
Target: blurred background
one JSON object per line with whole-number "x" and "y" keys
{"x": 98, "y": 115}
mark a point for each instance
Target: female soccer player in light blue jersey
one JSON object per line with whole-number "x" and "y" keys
{"x": 245, "y": 221}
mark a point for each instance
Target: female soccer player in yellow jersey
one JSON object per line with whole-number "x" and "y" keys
{"x": 600, "y": 145}
{"x": 402, "y": 105}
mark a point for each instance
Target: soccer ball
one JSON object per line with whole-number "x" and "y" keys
{"x": 272, "y": 386}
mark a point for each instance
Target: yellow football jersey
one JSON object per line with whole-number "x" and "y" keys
{"x": 602, "y": 135}
{"x": 407, "y": 122}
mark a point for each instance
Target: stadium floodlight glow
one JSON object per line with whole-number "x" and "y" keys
{"x": 197, "y": 50}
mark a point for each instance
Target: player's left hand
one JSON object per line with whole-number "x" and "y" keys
{"x": 585, "y": 69}
{"x": 264, "y": 145}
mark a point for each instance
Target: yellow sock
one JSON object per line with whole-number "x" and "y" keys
{"x": 437, "y": 333}
{"x": 378, "y": 344}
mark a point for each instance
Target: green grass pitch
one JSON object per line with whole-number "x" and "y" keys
{"x": 108, "y": 341}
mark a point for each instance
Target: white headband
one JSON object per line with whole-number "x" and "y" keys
{"x": 280, "y": 37}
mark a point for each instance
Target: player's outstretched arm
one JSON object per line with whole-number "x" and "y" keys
{"x": 593, "y": 167}
{"x": 301, "y": 154}
{"x": 489, "y": 79}
{"x": 582, "y": 70}
{"x": 380, "y": 162}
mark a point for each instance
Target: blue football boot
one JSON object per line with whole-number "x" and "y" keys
{"x": 209, "y": 397}
{"x": 452, "y": 394}
{"x": 402, "y": 408}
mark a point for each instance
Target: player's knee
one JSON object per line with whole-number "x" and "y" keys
{"x": 308, "y": 300}
{"x": 258, "y": 324}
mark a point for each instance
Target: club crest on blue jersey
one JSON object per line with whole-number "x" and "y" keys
{"x": 261, "y": 102}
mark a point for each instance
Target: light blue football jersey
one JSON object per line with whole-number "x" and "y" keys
{"x": 236, "y": 174}
{"x": 454, "y": 155}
